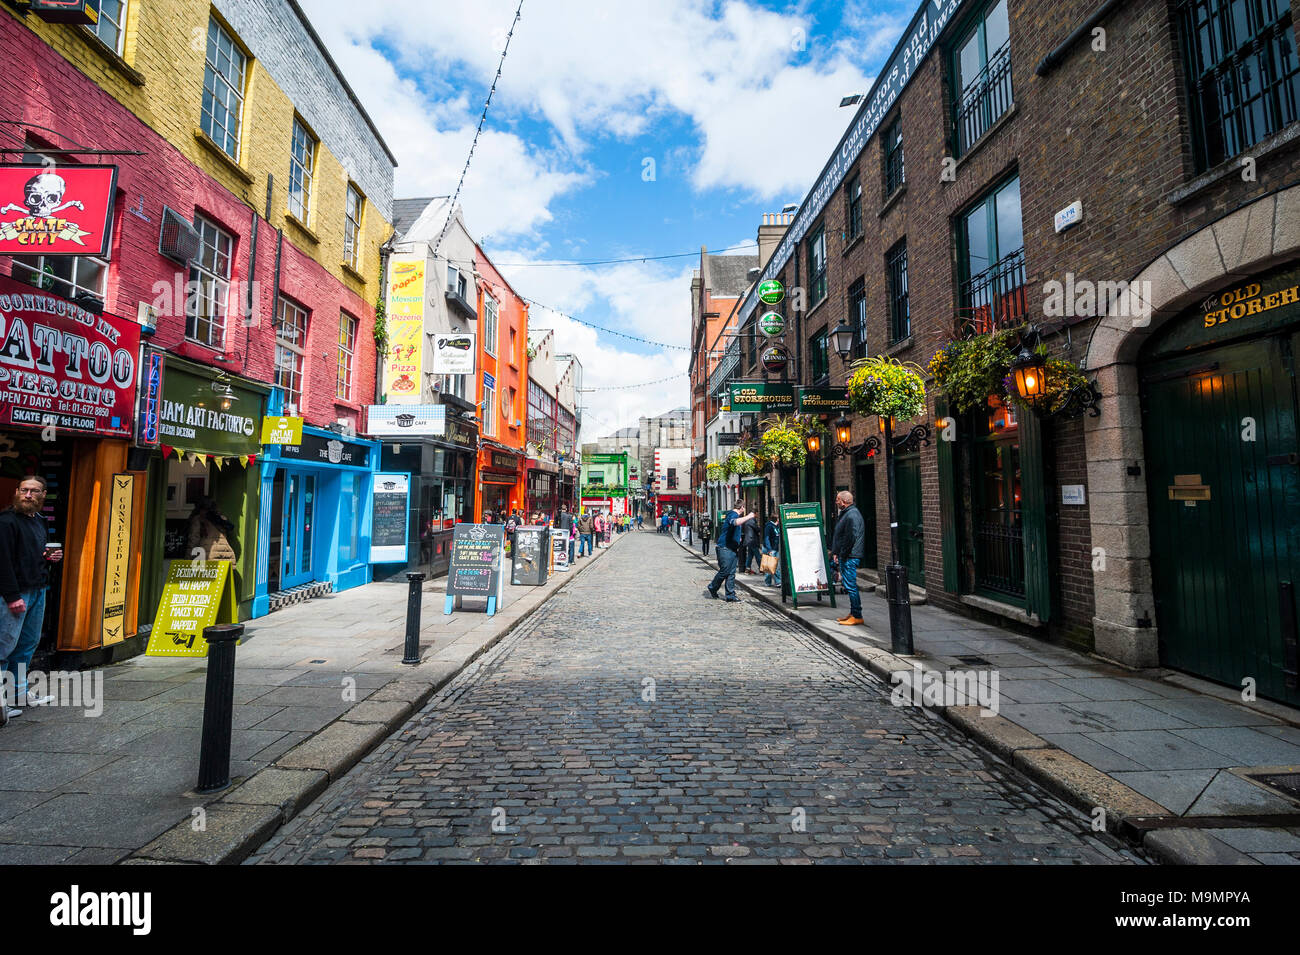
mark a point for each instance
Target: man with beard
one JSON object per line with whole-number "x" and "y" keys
{"x": 24, "y": 573}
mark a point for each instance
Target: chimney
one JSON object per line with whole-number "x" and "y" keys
{"x": 770, "y": 233}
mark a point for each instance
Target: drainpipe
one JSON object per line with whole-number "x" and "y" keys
{"x": 1054, "y": 58}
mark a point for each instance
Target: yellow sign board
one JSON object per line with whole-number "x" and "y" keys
{"x": 118, "y": 559}
{"x": 196, "y": 594}
{"x": 282, "y": 430}
{"x": 403, "y": 361}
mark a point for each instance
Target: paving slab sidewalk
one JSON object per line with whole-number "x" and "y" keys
{"x": 317, "y": 686}
{"x": 1167, "y": 756}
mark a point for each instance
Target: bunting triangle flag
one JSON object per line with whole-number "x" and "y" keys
{"x": 218, "y": 461}
{"x": 166, "y": 449}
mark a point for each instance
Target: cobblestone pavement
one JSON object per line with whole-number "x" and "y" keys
{"x": 633, "y": 719}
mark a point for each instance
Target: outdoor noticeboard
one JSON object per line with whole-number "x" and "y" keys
{"x": 198, "y": 594}
{"x": 530, "y": 558}
{"x": 803, "y": 554}
{"x": 477, "y": 555}
{"x": 391, "y": 514}
{"x": 559, "y": 549}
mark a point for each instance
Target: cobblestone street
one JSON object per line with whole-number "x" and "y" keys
{"x": 631, "y": 719}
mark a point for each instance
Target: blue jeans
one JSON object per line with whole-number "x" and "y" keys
{"x": 584, "y": 545}
{"x": 849, "y": 575}
{"x": 19, "y": 635}
{"x": 726, "y": 571}
{"x": 572, "y": 544}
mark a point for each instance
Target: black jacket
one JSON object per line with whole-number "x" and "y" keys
{"x": 23, "y": 567}
{"x": 751, "y": 535}
{"x": 850, "y": 534}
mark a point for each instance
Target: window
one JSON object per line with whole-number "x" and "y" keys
{"x": 290, "y": 346}
{"x": 352, "y": 227}
{"x": 672, "y": 479}
{"x": 489, "y": 410}
{"x": 302, "y": 159}
{"x": 347, "y": 348}
{"x": 991, "y": 259}
{"x": 981, "y": 71}
{"x": 205, "y": 319}
{"x": 900, "y": 315}
{"x": 858, "y": 317}
{"x": 456, "y": 282}
{"x": 854, "y": 192}
{"x": 490, "y": 325}
{"x": 817, "y": 267}
{"x": 894, "y": 177}
{"x": 1243, "y": 78}
{"x": 223, "y": 89}
{"x": 514, "y": 355}
{"x": 819, "y": 356}
{"x": 111, "y": 27}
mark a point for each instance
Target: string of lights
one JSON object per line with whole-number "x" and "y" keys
{"x": 481, "y": 120}
{"x": 608, "y": 331}
{"x": 643, "y": 384}
{"x": 635, "y": 258}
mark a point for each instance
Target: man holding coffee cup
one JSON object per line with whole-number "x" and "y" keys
{"x": 25, "y": 555}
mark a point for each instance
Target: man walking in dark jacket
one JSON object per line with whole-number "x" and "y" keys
{"x": 729, "y": 534}
{"x": 24, "y": 573}
{"x": 846, "y": 551}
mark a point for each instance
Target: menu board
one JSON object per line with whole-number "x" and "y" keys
{"x": 477, "y": 551}
{"x": 804, "y": 553}
{"x": 531, "y": 557}
{"x": 559, "y": 549}
{"x": 191, "y": 600}
{"x": 389, "y": 525}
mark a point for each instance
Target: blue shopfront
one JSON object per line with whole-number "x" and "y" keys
{"x": 314, "y": 533}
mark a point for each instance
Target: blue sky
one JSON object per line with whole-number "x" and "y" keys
{"x": 591, "y": 94}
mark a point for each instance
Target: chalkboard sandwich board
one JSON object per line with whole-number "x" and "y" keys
{"x": 389, "y": 525}
{"x": 559, "y": 550}
{"x": 477, "y": 555}
{"x": 531, "y": 558}
{"x": 804, "y": 552}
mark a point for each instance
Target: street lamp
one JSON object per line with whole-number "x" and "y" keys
{"x": 1029, "y": 372}
{"x": 842, "y": 339}
{"x": 814, "y": 443}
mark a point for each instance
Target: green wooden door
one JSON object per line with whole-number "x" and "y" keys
{"x": 911, "y": 529}
{"x": 864, "y": 495}
{"x": 1220, "y": 428}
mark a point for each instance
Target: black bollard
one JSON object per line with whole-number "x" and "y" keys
{"x": 218, "y": 707}
{"x": 411, "y": 654}
{"x": 899, "y": 598}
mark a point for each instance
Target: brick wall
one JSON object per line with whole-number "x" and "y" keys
{"x": 1108, "y": 128}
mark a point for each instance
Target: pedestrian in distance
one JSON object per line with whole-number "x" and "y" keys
{"x": 772, "y": 548}
{"x": 25, "y": 557}
{"x": 566, "y": 523}
{"x": 752, "y": 544}
{"x": 706, "y": 532}
{"x": 586, "y": 527}
{"x": 846, "y": 552}
{"x": 729, "y": 538}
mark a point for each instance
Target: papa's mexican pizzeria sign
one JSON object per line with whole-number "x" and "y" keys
{"x": 63, "y": 366}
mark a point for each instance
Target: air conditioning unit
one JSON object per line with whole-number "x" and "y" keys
{"x": 178, "y": 240}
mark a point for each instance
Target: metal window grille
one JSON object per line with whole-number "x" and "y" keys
{"x": 894, "y": 175}
{"x": 900, "y": 314}
{"x": 984, "y": 99}
{"x": 1243, "y": 75}
{"x": 858, "y": 317}
{"x": 995, "y": 298}
{"x": 854, "y": 193}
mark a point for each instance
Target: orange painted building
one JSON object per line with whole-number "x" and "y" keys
{"x": 502, "y": 393}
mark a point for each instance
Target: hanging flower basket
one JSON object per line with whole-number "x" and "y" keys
{"x": 887, "y": 388}
{"x": 970, "y": 370}
{"x": 739, "y": 462}
{"x": 714, "y": 471}
{"x": 783, "y": 442}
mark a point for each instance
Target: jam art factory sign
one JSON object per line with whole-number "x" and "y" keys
{"x": 63, "y": 366}
{"x": 917, "y": 41}
{"x": 56, "y": 210}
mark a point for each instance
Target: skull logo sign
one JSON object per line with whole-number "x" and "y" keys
{"x": 43, "y": 196}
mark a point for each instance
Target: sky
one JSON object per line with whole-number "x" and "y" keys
{"x": 618, "y": 129}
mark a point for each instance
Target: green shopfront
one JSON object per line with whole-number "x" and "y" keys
{"x": 203, "y": 427}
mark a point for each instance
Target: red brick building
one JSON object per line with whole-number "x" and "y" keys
{"x": 1014, "y": 163}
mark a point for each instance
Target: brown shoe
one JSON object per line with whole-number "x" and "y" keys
{"x": 850, "y": 621}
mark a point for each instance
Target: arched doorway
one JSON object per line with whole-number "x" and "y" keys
{"x": 1193, "y": 529}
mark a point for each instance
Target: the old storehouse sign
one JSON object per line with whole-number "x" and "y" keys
{"x": 63, "y": 366}
{"x": 56, "y": 210}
